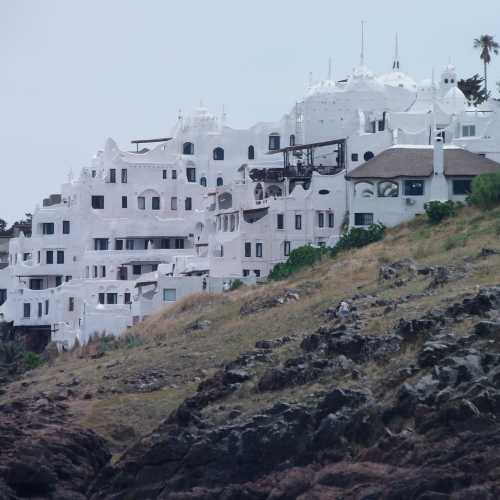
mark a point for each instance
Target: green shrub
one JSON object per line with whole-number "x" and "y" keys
{"x": 32, "y": 360}
{"x": 235, "y": 284}
{"x": 486, "y": 191}
{"x": 439, "y": 210}
{"x": 457, "y": 240}
{"x": 307, "y": 255}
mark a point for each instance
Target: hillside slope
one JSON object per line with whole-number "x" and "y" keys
{"x": 263, "y": 393}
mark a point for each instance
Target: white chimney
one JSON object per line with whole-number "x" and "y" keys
{"x": 439, "y": 185}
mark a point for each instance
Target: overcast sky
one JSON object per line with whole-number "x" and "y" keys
{"x": 76, "y": 72}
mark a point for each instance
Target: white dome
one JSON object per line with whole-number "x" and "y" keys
{"x": 362, "y": 79}
{"x": 398, "y": 79}
{"x": 454, "y": 101}
{"x": 322, "y": 87}
{"x": 427, "y": 85}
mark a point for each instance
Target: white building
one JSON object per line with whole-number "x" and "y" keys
{"x": 210, "y": 203}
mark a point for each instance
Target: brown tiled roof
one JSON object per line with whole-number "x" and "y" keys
{"x": 417, "y": 162}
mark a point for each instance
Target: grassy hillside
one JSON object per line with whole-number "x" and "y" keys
{"x": 124, "y": 389}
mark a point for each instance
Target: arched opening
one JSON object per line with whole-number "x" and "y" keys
{"x": 218, "y": 154}
{"x": 251, "y": 152}
{"x": 259, "y": 192}
{"x": 292, "y": 140}
{"x": 188, "y": 148}
{"x": 388, "y": 189}
{"x": 368, "y": 155}
{"x": 225, "y": 201}
{"x": 364, "y": 189}
{"x": 203, "y": 181}
{"x": 220, "y": 181}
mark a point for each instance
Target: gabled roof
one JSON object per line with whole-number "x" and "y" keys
{"x": 417, "y": 161}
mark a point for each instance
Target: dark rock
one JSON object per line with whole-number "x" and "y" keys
{"x": 485, "y": 328}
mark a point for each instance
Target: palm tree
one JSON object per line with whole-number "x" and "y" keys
{"x": 488, "y": 46}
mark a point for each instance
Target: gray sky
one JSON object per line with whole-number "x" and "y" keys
{"x": 76, "y": 72}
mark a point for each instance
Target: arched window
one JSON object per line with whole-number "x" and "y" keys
{"x": 388, "y": 189}
{"x": 274, "y": 142}
{"x": 259, "y": 192}
{"x": 203, "y": 181}
{"x": 218, "y": 153}
{"x": 364, "y": 189}
{"x": 251, "y": 153}
{"x": 368, "y": 155}
{"x": 292, "y": 140}
{"x": 188, "y": 148}
{"x": 220, "y": 181}
{"x": 273, "y": 191}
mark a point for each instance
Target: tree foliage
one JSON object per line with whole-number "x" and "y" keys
{"x": 486, "y": 191}
{"x": 473, "y": 89}
{"x": 439, "y": 210}
{"x": 488, "y": 46}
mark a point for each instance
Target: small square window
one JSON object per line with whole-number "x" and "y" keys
{"x": 155, "y": 203}
{"x": 136, "y": 269}
{"x": 462, "y": 186}
{"x": 414, "y": 187}
{"x": 363, "y": 219}
{"x": 354, "y": 157}
{"x": 169, "y": 294}
{"x": 66, "y": 227}
{"x": 98, "y": 202}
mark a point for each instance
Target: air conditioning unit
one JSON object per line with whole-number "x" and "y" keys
{"x": 410, "y": 201}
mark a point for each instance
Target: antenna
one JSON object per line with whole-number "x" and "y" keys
{"x": 395, "y": 64}
{"x": 310, "y": 78}
{"x": 362, "y": 56}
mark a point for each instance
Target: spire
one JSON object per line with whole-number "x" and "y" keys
{"x": 329, "y": 68}
{"x": 362, "y": 57}
{"x": 395, "y": 64}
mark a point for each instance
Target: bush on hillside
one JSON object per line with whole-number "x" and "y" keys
{"x": 235, "y": 284}
{"x": 439, "y": 210}
{"x": 307, "y": 255}
{"x": 485, "y": 191}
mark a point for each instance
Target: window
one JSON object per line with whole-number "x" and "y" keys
{"x": 257, "y": 272}
{"x": 68, "y": 278}
{"x": 118, "y": 244}
{"x": 331, "y": 219}
{"x": 101, "y": 297}
{"x": 203, "y": 181}
{"x": 165, "y": 243}
{"x": 58, "y": 281}
{"x": 155, "y": 203}
{"x": 112, "y": 298}
{"x": 36, "y": 283}
{"x": 169, "y": 294}
{"x": 225, "y": 224}
{"x": 188, "y": 203}
{"x": 280, "y": 221}
{"x": 127, "y": 298}
{"x": 124, "y": 202}
{"x": 462, "y": 186}
{"x": 274, "y": 142}
{"x": 179, "y": 243}
{"x": 40, "y": 309}
{"x": 47, "y": 228}
{"x": 191, "y": 174}
{"x": 49, "y": 257}
{"x": 368, "y": 155}
{"x": 292, "y": 140}
{"x": 101, "y": 243}
{"x": 173, "y": 203}
{"x": 93, "y": 173}
{"x": 188, "y": 148}
{"x": 381, "y": 125}
{"x": 164, "y": 174}
{"x": 361, "y": 219}
{"x": 220, "y": 181}
{"x": 38, "y": 257}
{"x": 136, "y": 269}
{"x": 468, "y": 131}
{"x": 258, "y": 249}
{"x": 124, "y": 176}
{"x": 174, "y": 174}
{"x": 248, "y": 249}
{"x": 246, "y": 272}
{"x": 26, "y": 256}
{"x": 286, "y": 248}
{"x": 26, "y": 309}
{"x": 129, "y": 244}
{"x": 112, "y": 175}
{"x": 46, "y": 307}
{"x": 141, "y": 203}
{"x": 321, "y": 219}
{"x": 414, "y": 187}
{"x": 66, "y": 227}
{"x": 98, "y": 202}
{"x": 298, "y": 221}
{"x": 60, "y": 257}
{"x": 94, "y": 271}
{"x": 71, "y": 304}
{"x": 388, "y": 189}
{"x": 218, "y": 154}
{"x": 354, "y": 157}
{"x": 103, "y": 271}
{"x": 251, "y": 153}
